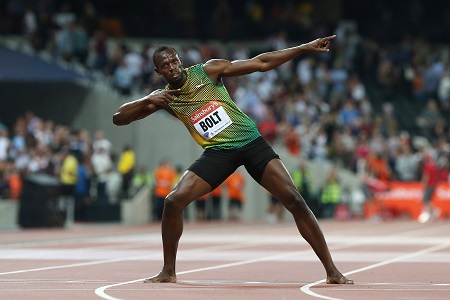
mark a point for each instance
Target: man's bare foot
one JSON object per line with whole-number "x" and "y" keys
{"x": 162, "y": 277}
{"x": 339, "y": 279}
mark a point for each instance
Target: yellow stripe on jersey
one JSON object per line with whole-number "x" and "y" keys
{"x": 208, "y": 110}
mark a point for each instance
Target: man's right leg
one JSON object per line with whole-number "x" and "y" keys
{"x": 189, "y": 187}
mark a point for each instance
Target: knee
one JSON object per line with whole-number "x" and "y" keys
{"x": 295, "y": 203}
{"x": 173, "y": 202}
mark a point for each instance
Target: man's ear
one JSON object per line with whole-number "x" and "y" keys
{"x": 157, "y": 72}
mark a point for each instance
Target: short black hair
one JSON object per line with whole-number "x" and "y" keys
{"x": 162, "y": 48}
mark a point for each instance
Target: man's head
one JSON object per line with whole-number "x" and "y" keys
{"x": 169, "y": 65}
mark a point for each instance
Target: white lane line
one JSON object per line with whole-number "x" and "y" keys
{"x": 43, "y": 281}
{"x": 40, "y": 289}
{"x": 355, "y": 242}
{"x": 97, "y": 262}
{"x": 101, "y": 290}
{"x": 306, "y": 288}
{"x": 136, "y": 257}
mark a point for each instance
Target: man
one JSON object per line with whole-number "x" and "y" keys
{"x": 330, "y": 195}
{"x": 303, "y": 181}
{"x": 102, "y": 164}
{"x": 235, "y": 184}
{"x": 433, "y": 173}
{"x": 216, "y": 203}
{"x": 164, "y": 180}
{"x": 68, "y": 178}
{"x": 127, "y": 162}
{"x": 198, "y": 97}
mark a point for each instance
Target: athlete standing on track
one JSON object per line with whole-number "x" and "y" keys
{"x": 198, "y": 97}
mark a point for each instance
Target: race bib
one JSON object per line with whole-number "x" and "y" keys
{"x": 210, "y": 120}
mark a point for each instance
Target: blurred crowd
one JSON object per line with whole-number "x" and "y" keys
{"x": 85, "y": 165}
{"x": 319, "y": 107}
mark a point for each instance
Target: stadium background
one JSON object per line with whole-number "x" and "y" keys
{"x": 73, "y": 95}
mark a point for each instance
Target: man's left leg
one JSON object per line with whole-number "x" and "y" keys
{"x": 278, "y": 182}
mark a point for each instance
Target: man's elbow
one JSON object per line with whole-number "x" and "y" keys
{"x": 117, "y": 120}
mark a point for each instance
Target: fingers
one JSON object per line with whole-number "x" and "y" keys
{"x": 329, "y": 37}
{"x": 324, "y": 43}
{"x": 162, "y": 97}
{"x": 173, "y": 91}
{"x": 168, "y": 96}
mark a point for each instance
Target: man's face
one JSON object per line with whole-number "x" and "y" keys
{"x": 168, "y": 65}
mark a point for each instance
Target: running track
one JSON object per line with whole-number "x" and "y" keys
{"x": 387, "y": 260}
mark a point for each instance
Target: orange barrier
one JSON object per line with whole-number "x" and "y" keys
{"x": 406, "y": 197}
{"x": 402, "y": 197}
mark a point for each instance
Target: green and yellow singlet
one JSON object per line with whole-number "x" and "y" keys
{"x": 209, "y": 113}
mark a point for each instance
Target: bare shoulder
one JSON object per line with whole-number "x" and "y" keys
{"x": 215, "y": 65}
{"x": 214, "y": 68}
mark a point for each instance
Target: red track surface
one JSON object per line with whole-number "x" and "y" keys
{"x": 387, "y": 260}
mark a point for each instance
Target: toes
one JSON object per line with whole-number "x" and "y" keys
{"x": 347, "y": 281}
{"x": 340, "y": 280}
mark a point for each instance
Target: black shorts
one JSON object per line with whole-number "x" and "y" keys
{"x": 214, "y": 166}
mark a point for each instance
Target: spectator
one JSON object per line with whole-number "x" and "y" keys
{"x": 275, "y": 211}
{"x": 407, "y": 163}
{"x": 388, "y": 120}
{"x": 305, "y": 73}
{"x": 142, "y": 178}
{"x": 15, "y": 184}
{"x": 113, "y": 182}
{"x": 429, "y": 118}
{"x": 81, "y": 44}
{"x": 102, "y": 164}
{"x": 330, "y": 195}
{"x": 134, "y": 62}
{"x": 82, "y": 188}
{"x": 100, "y": 51}
{"x": 65, "y": 15}
{"x": 200, "y": 208}
{"x": 69, "y": 178}
{"x": 338, "y": 78}
{"x": 100, "y": 142}
{"x": 349, "y": 115}
{"x": 123, "y": 78}
{"x": 235, "y": 184}
{"x": 164, "y": 177}
{"x": 432, "y": 77}
{"x": 127, "y": 161}
{"x": 362, "y": 150}
{"x": 444, "y": 90}
{"x": 433, "y": 173}
{"x": 18, "y": 141}
{"x": 319, "y": 148}
{"x": 4, "y": 144}
{"x": 292, "y": 141}
{"x": 302, "y": 178}
{"x": 387, "y": 74}
{"x": 378, "y": 167}
{"x": 269, "y": 128}
{"x": 65, "y": 42}
{"x": 216, "y": 203}
{"x": 30, "y": 23}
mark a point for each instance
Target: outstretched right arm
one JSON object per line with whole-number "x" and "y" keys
{"x": 141, "y": 108}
